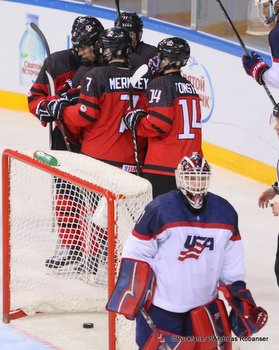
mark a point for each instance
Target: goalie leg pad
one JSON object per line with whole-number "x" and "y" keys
{"x": 134, "y": 288}
{"x": 170, "y": 323}
{"x": 68, "y": 209}
{"x": 171, "y": 340}
{"x": 211, "y": 325}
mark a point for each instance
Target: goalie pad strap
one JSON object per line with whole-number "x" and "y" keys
{"x": 134, "y": 288}
{"x": 211, "y": 324}
{"x": 171, "y": 341}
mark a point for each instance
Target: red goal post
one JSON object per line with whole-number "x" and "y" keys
{"x": 95, "y": 206}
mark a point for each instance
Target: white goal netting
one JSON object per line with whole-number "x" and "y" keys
{"x": 67, "y": 225}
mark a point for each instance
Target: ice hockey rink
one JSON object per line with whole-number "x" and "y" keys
{"x": 258, "y": 228}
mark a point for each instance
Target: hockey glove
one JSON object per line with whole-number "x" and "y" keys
{"x": 132, "y": 117}
{"x": 67, "y": 90}
{"x": 245, "y": 317}
{"x": 48, "y": 111}
{"x": 154, "y": 65}
{"x": 255, "y": 66}
{"x": 64, "y": 88}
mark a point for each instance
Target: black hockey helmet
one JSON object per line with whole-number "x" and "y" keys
{"x": 114, "y": 43}
{"x": 177, "y": 50}
{"x": 85, "y": 31}
{"x": 132, "y": 22}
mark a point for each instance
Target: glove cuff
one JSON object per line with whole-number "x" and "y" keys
{"x": 258, "y": 70}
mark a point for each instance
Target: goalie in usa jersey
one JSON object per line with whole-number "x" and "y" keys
{"x": 184, "y": 248}
{"x": 254, "y": 65}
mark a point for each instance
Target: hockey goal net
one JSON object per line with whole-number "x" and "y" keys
{"x": 63, "y": 232}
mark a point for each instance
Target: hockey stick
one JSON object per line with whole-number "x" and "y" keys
{"x": 51, "y": 90}
{"x": 51, "y": 84}
{"x": 244, "y": 47}
{"x": 155, "y": 330}
{"x": 117, "y": 7}
{"x": 139, "y": 73}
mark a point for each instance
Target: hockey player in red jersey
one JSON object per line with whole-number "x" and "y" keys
{"x": 66, "y": 67}
{"x": 254, "y": 65}
{"x": 103, "y": 100}
{"x": 141, "y": 52}
{"x": 172, "y": 119}
{"x": 185, "y": 247}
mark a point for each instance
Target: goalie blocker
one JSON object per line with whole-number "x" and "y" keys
{"x": 134, "y": 288}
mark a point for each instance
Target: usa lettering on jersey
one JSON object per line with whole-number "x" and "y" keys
{"x": 194, "y": 246}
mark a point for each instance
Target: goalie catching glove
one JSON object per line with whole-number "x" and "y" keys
{"x": 134, "y": 288}
{"x": 49, "y": 111}
{"x": 255, "y": 66}
{"x": 132, "y": 117}
{"x": 246, "y": 317}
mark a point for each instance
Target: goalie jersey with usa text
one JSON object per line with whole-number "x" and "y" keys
{"x": 188, "y": 250}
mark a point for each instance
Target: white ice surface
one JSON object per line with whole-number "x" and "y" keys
{"x": 259, "y": 232}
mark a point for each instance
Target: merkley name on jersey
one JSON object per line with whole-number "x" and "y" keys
{"x": 119, "y": 83}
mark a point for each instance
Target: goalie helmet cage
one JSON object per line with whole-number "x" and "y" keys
{"x": 82, "y": 204}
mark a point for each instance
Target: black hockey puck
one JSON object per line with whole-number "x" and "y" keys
{"x": 88, "y": 325}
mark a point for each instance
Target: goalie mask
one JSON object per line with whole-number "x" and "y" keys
{"x": 176, "y": 50}
{"x": 192, "y": 179}
{"x": 267, "y": 10}
{"x": 114, "y": 43}
{"x": 85, "y": 33}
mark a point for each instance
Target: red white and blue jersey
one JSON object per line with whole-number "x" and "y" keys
{"x": 190, "y": 252}
{"x": 271, "y": 76}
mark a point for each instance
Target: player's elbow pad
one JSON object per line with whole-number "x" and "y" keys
{"x": 134, "y": 288}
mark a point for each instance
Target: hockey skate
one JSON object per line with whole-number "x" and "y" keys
{"x": 64, "y": 256}
{"x": 88, "y": 265}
